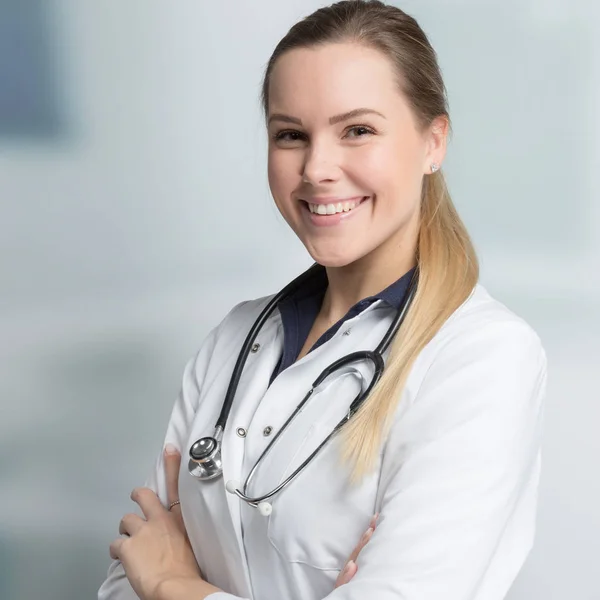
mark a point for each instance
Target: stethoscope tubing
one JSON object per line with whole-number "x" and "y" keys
{"x": 375, "y": 356}
{"x": 271, "y": 445}
{"x": 253, "y": 333}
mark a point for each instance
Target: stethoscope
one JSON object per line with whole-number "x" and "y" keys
{"x": 205, "y": 454}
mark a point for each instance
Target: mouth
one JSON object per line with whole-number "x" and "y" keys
{"x": 333, "y": 214}
{"x": 334, "y": 208}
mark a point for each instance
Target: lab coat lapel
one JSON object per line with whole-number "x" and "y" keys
{"x": 252, "y": 387}
{"x": 232, "y": 460}
{"x": 324, "y": 409}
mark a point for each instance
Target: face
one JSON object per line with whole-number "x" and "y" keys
{"x": 346, "y": 156}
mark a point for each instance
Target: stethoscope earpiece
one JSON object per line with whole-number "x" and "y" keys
{"x": 232, "y": 485}
{"x": 265, "y": 509}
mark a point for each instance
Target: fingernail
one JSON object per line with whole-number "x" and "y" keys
{"x": 367, "y": 534}
{"x": 171, "y": 449}
{"x": 348, "y": 566}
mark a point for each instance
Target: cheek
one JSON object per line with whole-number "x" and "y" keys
{"x": 391, "y": 170}
{"x": 282, "y": 174}
{"x": 273, "y": 174}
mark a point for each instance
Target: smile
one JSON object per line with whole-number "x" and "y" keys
{"x": 327, "y": 215}
{"x": 332, "y": 209}
{"x": 335, "y": 207}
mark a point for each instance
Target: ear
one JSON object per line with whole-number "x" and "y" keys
{"x": 436, "y": 137}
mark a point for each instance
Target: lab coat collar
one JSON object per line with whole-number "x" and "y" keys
{"x": 299, "y": 311}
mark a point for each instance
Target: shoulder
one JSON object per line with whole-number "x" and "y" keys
{"x": 241, "y": 317}
{"x": 220, "y": 347}
{"x": 234, "y": 327}
{"x": 485, "y": 366}
{"x": 482, "y": 318}
{"x": 484, "y": 339}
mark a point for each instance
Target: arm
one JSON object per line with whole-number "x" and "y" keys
{"x": 117, "y": 586}
{"x": 456, "y": 467}
{"x": 464, "y": 459}
{"x": 198, "y": 589}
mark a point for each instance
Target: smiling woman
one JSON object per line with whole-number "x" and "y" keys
{"x": 374, "y": 149}
{"x": 383, "y": 381}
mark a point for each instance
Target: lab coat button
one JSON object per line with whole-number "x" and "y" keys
{"x": 241, "y": 431}
{"x": 255, "y": 348}
{"x": 267, "y": 431}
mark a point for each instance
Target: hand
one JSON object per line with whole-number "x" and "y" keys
{"x": 349, "y": 571}
{"x": 157, "y": 548}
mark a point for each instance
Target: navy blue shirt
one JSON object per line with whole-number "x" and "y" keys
{"x": 299, "y": 311}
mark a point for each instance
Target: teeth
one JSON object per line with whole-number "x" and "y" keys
{"x": 332, "y": 209}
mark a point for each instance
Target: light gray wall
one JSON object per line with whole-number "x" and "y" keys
{"x": 135, "y": 227}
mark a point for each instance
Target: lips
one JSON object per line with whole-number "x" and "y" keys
{"x": 327, "y": 206}
{"x": 335, "y": 217}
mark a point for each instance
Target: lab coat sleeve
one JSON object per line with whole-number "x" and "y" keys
{"x": 455, "y": 468}
{"x": 116, "y": 586}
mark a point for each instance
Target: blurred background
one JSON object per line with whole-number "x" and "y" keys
{"x": 135, "y": 212}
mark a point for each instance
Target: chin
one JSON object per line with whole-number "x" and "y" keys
{"x": 331, "y": 259}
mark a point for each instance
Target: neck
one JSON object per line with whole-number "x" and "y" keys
{"x": 363, "y": 278}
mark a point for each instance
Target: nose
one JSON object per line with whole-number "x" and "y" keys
{"x": 320, "y": 166}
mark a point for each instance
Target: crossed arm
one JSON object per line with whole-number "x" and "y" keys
{"x": 458, "y": 504}
{"x": 156, "y": 553}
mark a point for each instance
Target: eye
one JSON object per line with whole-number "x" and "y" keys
{"x": 360, "y": 131}
{"x": 288, "y": 135}
{"x": 291, "y": 136}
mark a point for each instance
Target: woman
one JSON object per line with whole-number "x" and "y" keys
{"x": 446, "y": 447}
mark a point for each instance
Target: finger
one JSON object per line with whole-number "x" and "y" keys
{"x": 148, "y": 501}
{"x": 116, "y": 548}
{"x": 348, "y": 572}
{"x": 172, "y": 464}
{"x": 373, "y": 523}
{"x": 130, "y": 524}
{"x": 361, "y": 544}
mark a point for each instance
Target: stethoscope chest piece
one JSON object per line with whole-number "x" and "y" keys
{"x": 205, "y": 459}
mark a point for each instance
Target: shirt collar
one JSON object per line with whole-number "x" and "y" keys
{"x": 314, "y": 289}
{"x": 299, "y": 311}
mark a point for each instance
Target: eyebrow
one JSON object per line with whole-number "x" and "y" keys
{"x": 357, "y": 112}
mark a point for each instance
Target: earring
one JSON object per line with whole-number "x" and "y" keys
{"x": 434, "y": 167}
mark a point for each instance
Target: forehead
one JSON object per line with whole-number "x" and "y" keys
{"x": 324, "y": 80}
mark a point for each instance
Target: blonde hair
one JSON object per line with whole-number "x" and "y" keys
{"x": 446, "y": 260}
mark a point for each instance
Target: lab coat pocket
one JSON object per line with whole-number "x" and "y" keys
{"x": 318, "y": 519}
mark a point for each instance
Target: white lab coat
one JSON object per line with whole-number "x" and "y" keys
{"x": 456, "y": 480}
